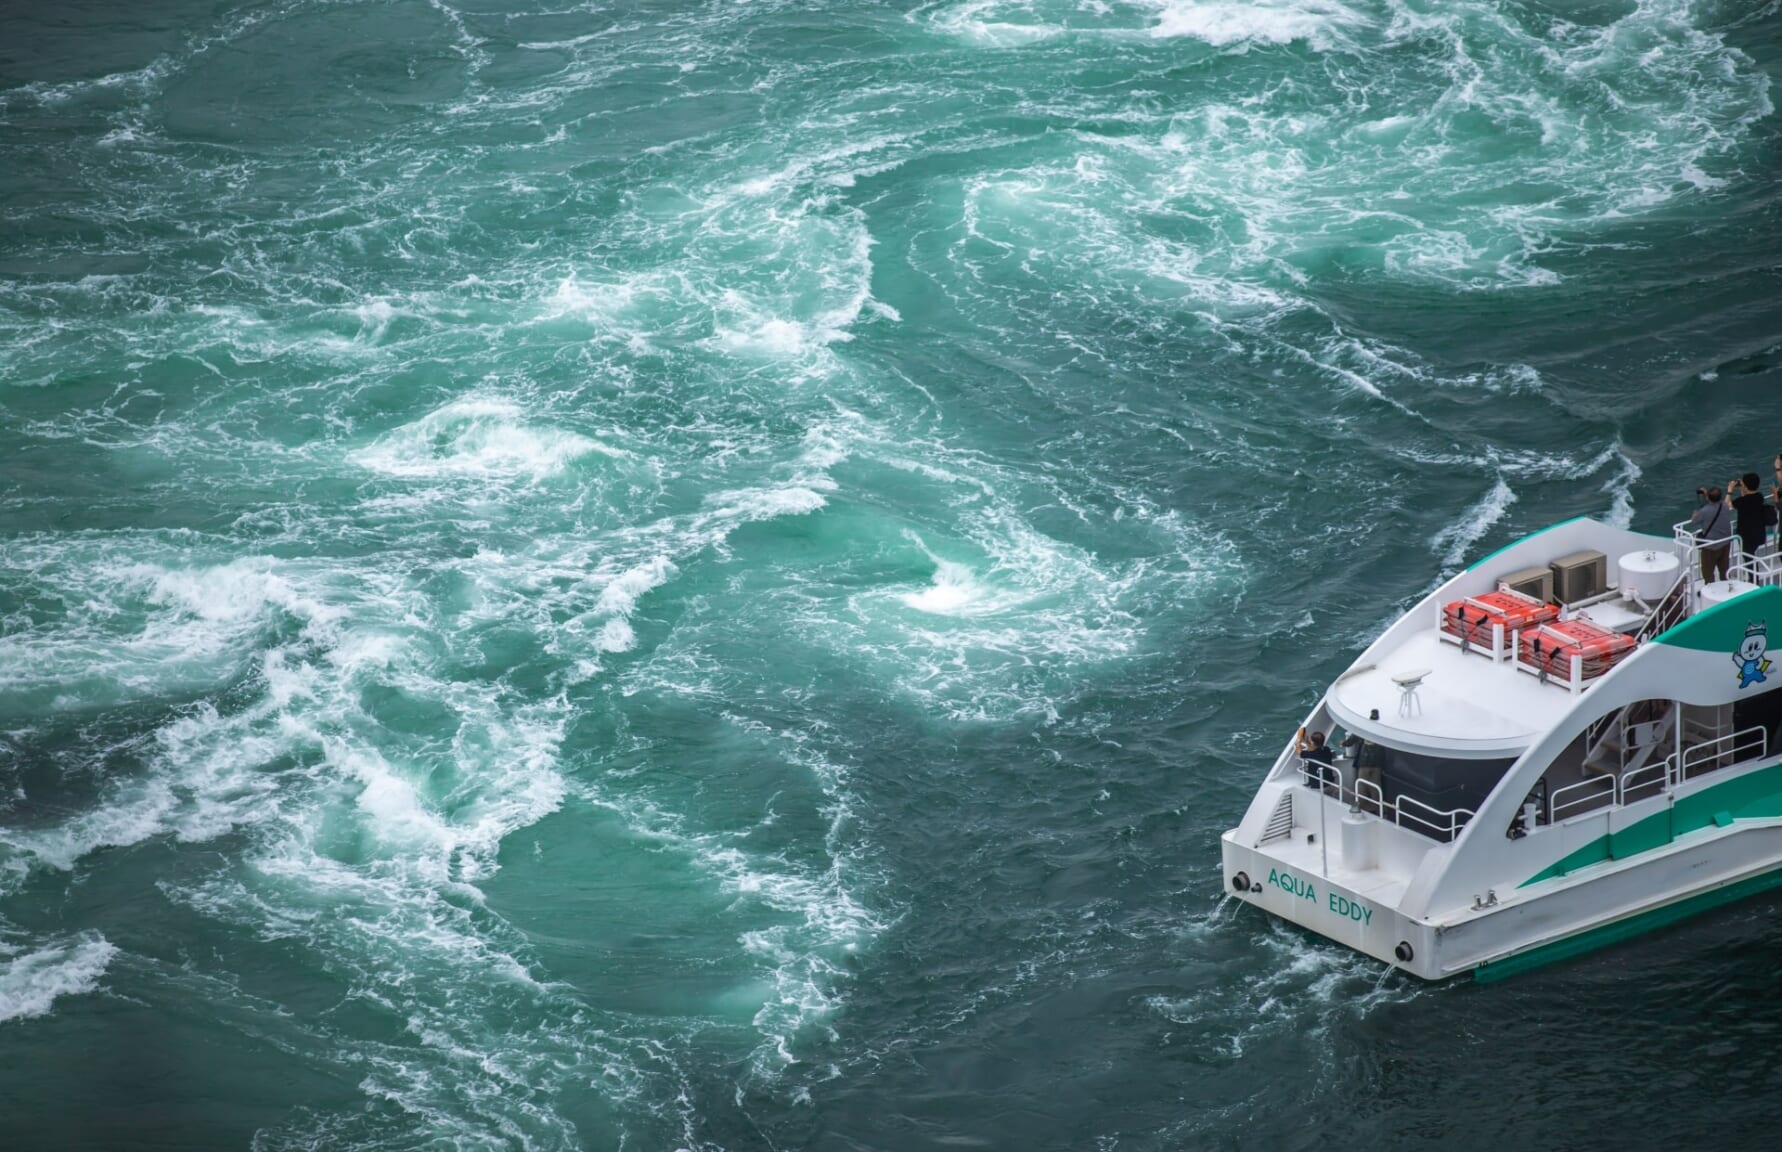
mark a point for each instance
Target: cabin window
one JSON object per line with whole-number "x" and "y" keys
{"x": 1762, "y": 712}
{"x": 1425, "y": 789}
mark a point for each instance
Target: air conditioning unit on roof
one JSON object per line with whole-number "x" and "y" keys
{"x": 1580, "y": 576}
{"x": 1535, "y": 582}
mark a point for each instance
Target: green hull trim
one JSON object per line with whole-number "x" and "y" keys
{"x": 1624, "y": 929}
{"x": 1490, "y": 556}
{"x": 1754, "y": 796}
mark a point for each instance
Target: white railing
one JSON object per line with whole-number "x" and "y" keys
{"x": 1687, "y": 546}
{"x": 1500, "y": 646}
{"x": 1588, "y": 795}
{"x": 1449, "y": 821}
{"x": 1660, "y": 776}
{"x": 1574, "y": 679}
{"x": 1320, "y": 775}
{"x": 1586, "y": 791}
{"x": 1670, "y": 610}
{"x": 1372, "y": 799}
{"x": 1763, "y": 568}
{"x": 1753, "y": 742}
{"x": 1366, "y": 796}
{"x": 1654, "y": 778}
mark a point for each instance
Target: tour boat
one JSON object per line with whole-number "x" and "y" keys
{"x": 1572, "y": 742}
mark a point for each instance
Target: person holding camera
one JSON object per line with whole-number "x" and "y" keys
{"x": 1713, "y": 527}
{"x": 1750, "y": 512}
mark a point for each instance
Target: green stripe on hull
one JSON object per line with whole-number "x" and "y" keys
{"x": 1753, "y": 796}
{"x": 1624, "y": 929}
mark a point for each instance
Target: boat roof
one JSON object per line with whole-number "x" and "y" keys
{"x": 1465, "y": 704}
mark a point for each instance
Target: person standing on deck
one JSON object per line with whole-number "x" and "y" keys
{"x": 1748, "y": 511}
{"x": 1712, "y": 524}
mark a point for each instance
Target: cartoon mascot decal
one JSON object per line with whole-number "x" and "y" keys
{"x": 1750, "y": 656}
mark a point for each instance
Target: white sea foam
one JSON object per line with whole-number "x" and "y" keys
{"x": 1219, "y": 23}
{"x": 1619, "y": 488}
{"x": 1006, "y": 609}
{"x": 616, "y": 635}
{"x": 953, "y": 590}
{"x": 31, "y": 983}
{"x": 805, "y": 973}
{"x": 1453, "y": 541}
{"x": 478, "y": 437}
{"x": 118, "y": 137}
{"x": 988, "y": 23}
{"x": 420, "y": 823}
{"x": 140, "y": 621}
{"x": 618, "y": 599}
{"x": 773, "y": 336}
{"x": 1304, "y": 986}
{"x": 131, "y": 814}
{"x": 621, "y": 594}
{"x": 748, "y": 325}
{"x": 616, "y": 303}
{"x": 766, "y": 503}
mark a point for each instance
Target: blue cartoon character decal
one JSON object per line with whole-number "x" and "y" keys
{"x": 1750, "y": 656}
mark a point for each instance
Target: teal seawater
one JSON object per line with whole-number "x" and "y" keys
{"x": 707, "y": 575}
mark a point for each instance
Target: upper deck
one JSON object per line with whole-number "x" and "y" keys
{"x": 1472, "y": 702}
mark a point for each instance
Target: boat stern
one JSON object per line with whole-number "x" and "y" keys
{"x": 1294, "y": 878}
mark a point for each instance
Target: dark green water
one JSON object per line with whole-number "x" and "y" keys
{"x": 707, "y": 575}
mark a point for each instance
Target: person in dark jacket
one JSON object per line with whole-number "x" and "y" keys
{"x": 1313, "y": 748}
{"x": 1748, "y": 514}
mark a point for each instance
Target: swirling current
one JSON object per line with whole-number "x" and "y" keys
{"x": 707, "y": 575}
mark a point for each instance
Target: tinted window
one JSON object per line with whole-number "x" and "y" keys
{"x": 1442, "y": 784}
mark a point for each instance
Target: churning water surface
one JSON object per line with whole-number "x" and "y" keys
{"x": 706, "y": 575}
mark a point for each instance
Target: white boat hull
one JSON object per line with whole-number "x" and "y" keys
{"x": 1600, "y": 905}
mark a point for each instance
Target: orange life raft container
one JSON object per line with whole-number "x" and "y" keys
{"x": 1471, "y": 619}
{"x": 1550, "y": 648}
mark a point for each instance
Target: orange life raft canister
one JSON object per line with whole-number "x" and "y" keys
{"x": 1550, "y": 647}
{"x": 1471, "y": 619}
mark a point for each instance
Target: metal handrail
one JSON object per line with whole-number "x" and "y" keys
{"x": 1747, "y": 743}
{"x": 1685, "y": 541}
{"x": 1660, "y": 771}
{"x": 1328, "y": 779}
{"x": 1597, "y": 782}
{"x": 1368, "y": 796}
{"x": 1670, "y": 610}
{"x": 1761, "y": 568}
{"x": 1314, "y": 771}
{"x": 1452, "y": 827}
{"x": 1714, "y": 752}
